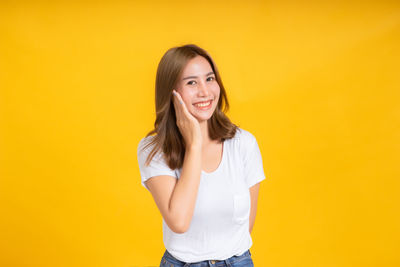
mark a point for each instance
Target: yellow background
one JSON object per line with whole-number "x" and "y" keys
{"x": 317, "y": 83}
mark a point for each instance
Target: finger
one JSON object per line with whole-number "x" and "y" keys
{"x": 184, "y": 108}
{"x": 179, "y": 112}
{"x": 178, "y": 96}
{"x": 176, "y": 102}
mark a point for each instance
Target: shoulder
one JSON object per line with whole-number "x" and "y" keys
{"x": 242, "y": 145}
{"x": 242, "y": 142}
{"x": 244, "y": 137}
{"x": 144, "y": 142}
{"x": 145, "y": 147}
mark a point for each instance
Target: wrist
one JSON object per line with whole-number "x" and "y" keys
{"x": 194, "y": 146}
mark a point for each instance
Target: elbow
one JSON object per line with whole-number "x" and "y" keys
{"x": 179, "y": 231}
{"x": 180, "y": 228}
{"x": 178, "y": 223}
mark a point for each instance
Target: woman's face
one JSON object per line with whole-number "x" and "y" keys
{"x": 199, "y": 88}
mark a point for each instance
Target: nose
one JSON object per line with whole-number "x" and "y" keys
{"x": 203, "y": 89}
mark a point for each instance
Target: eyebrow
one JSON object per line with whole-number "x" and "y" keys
{"x": 191, "y": 77}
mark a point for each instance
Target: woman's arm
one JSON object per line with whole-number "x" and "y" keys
{"x": 253, "y": 210}
{"x": 183, "y": 199}
{"x": 176, "y": 198}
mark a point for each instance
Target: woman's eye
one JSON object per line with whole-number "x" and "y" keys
{"x": 209, "y": 79}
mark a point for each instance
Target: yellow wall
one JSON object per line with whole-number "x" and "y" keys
{"x": 318, "y": 84}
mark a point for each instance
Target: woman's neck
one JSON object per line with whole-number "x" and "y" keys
{"x": 204, "y": 133}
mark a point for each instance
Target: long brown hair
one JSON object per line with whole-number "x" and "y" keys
{"x": 168, "y": 137}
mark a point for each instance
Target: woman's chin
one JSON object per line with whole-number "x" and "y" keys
{"x": 202, "y": 118}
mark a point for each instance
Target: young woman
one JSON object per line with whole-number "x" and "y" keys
{"x": 202, "y": 170}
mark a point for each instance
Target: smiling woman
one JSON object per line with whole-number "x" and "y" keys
{"x": 202, "y": 170}
{"x": 193, "y": 73}
{"x": 199, "y": 93}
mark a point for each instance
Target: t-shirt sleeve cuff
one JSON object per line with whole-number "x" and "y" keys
{"x": 155, "y": 173}
{"x": 255, "y": 181}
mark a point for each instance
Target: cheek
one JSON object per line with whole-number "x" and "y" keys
{"x": 216, "y": 91}
{"x": 187, "y": 98}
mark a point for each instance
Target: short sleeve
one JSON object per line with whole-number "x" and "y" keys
{"x": 253, "y": 164}
{"x": 157, "y": 166}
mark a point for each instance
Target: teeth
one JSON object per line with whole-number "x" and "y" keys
{"x": 203, "y": 104}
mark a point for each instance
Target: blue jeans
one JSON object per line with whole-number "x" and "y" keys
{"x": 243, "y": 260}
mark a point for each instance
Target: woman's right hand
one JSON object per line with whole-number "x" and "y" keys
{"x": 187, "y": 124}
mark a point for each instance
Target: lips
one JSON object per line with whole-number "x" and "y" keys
{"x": 202, "y": 102}
{"x": 203, "y": 105}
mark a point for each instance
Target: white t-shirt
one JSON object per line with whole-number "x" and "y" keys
{"x": 219, "y": 228}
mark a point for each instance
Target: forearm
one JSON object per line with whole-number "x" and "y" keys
{"x": 184, "y": 197}
{"x": 251, "y": 225}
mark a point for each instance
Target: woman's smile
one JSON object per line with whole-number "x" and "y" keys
{"x": 203, "y": 105}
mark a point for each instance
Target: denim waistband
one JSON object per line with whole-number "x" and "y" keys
{"x": 232, "y": 259}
